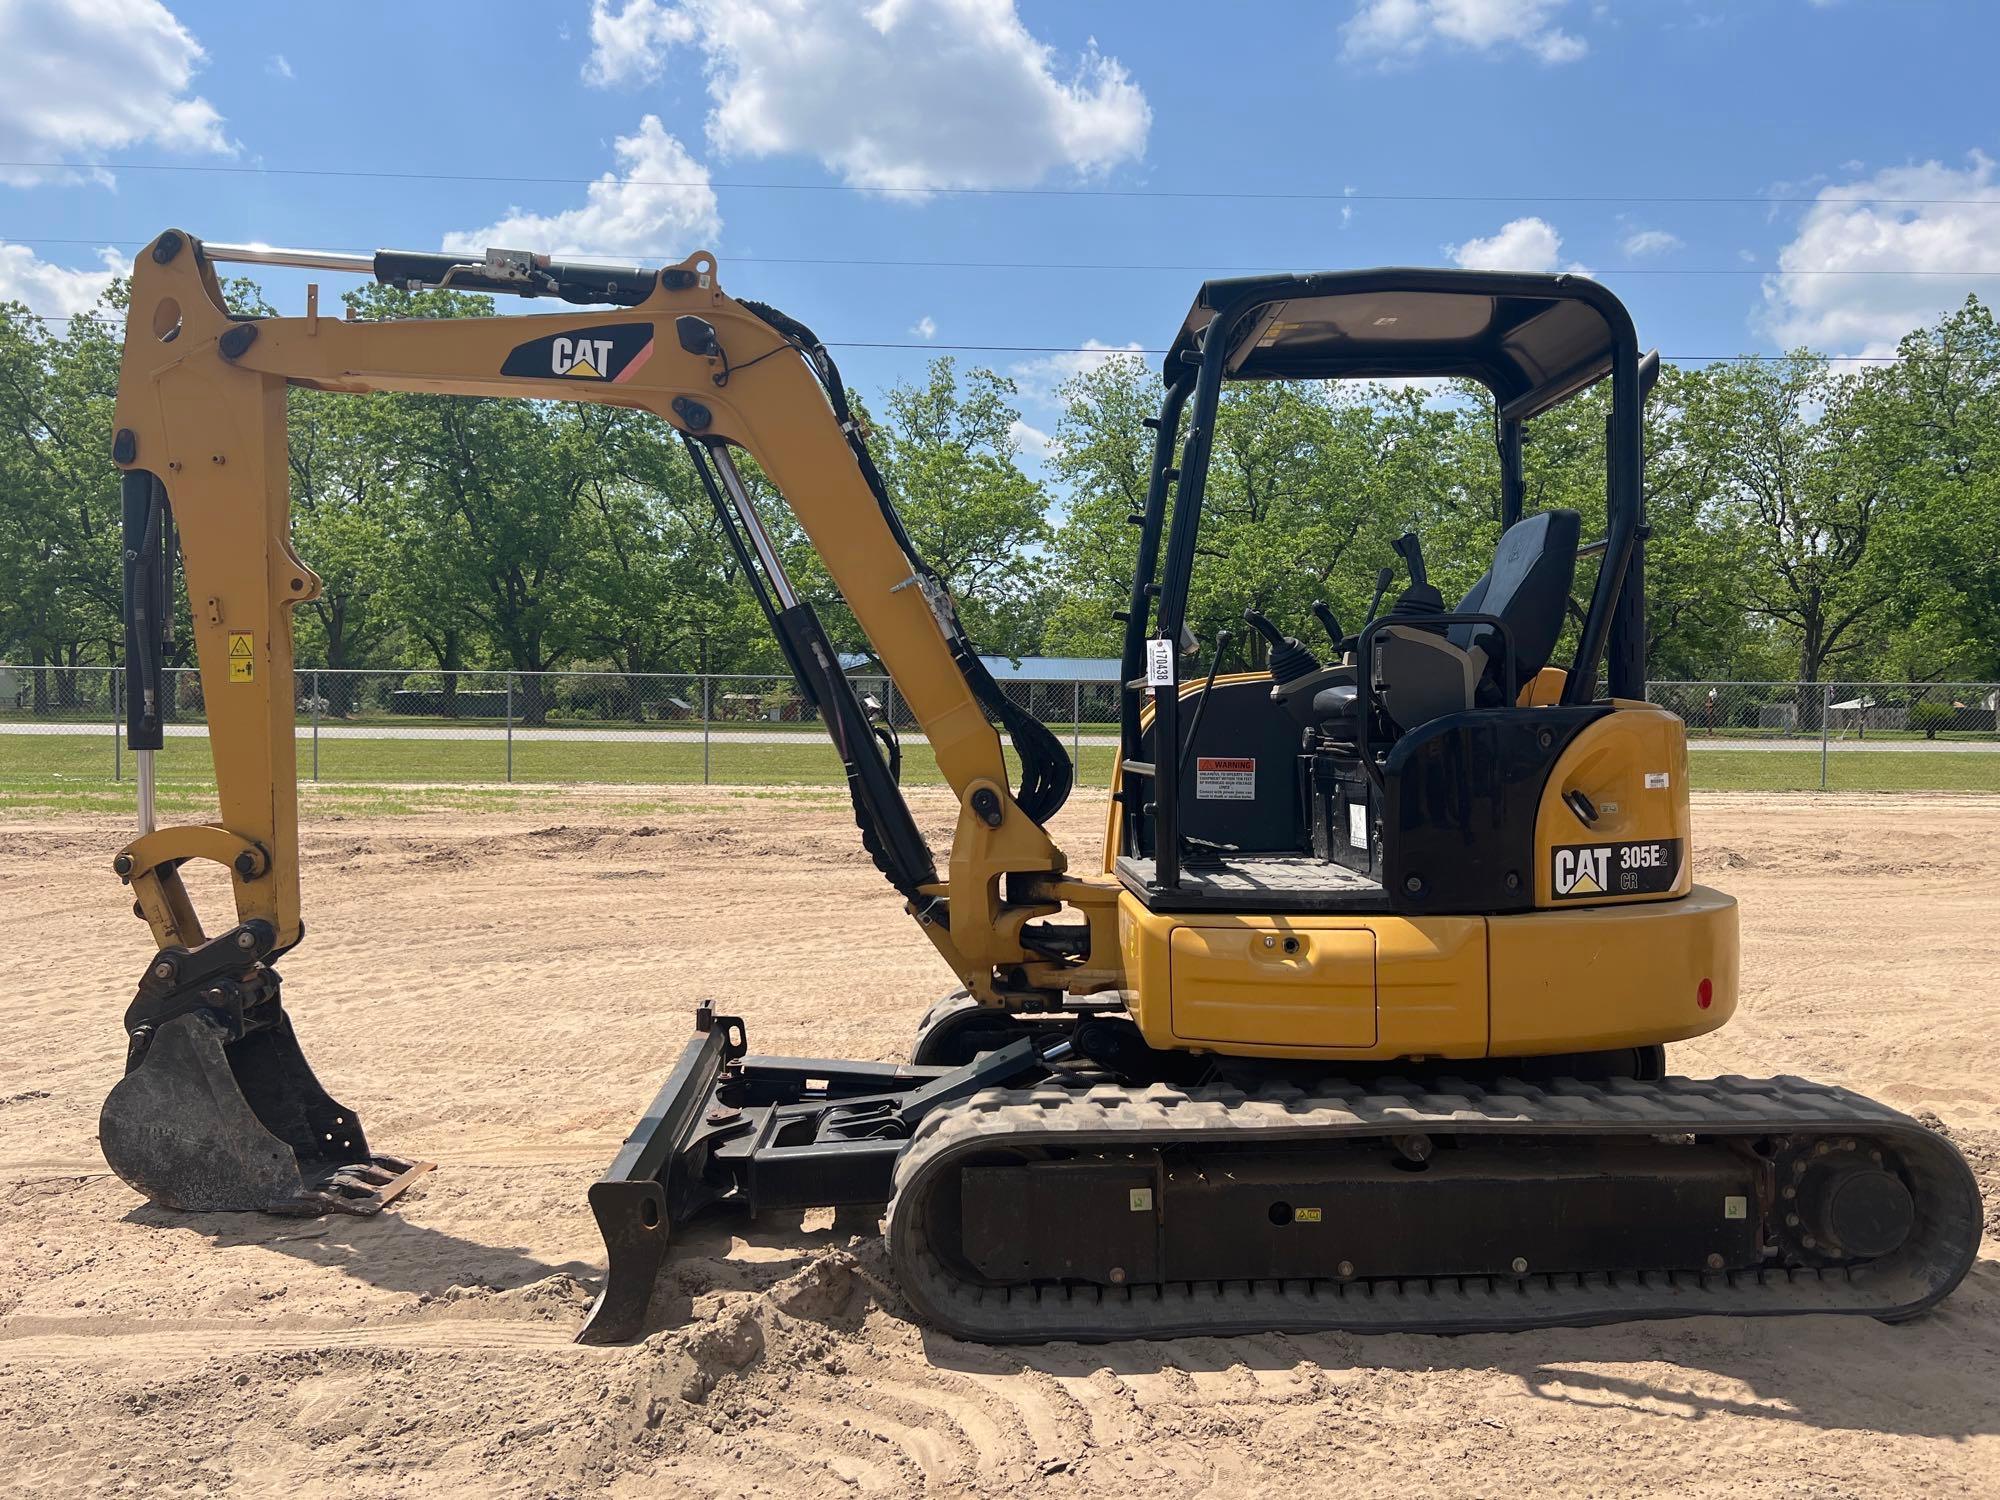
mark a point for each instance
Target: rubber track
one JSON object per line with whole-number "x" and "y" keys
{"x": 1939, "y": 1251}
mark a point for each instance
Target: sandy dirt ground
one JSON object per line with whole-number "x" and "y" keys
{"x": 501, "y": 993}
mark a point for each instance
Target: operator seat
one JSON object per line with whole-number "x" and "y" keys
{"x": 1424, "y": 672}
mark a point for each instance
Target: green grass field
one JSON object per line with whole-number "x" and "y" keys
{"x": 75, "y": 770}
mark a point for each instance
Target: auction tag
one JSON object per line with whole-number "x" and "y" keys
{"x": 1159, "y": 663}
{"x": 1656, "y": 781}
{"x": 1225, "y": 778}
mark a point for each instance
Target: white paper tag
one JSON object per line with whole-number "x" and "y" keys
{"x": 1159, "y": 663}
{"x": 1357, "y": 824}
{"x": 1656, "y": 781}
{"x": 1225, "y": 778}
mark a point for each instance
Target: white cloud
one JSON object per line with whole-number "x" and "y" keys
{"x": 898, "y": 94}
{"x": 278, "y": 66}
{"x": 1041, "y": 379}
{"x": 629, "y": 43}
{"x": 925, "y": 327}
{"x": 1397, "y": 30}
{"x": 658, "y": 203}
{"x": 1651, "y": 242}
{"x": 1031, "y": 442}
{"x": 55, "y": 291}
{"x": 1530, "y": 244}
{"x": 88, "y": 76}
{"x": 1868, "y": 314}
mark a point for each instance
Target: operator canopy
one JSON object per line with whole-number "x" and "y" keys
{"x": 1532, "y": 340}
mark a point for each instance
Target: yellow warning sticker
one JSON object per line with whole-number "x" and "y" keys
{"x": 242, "y": 660}
{"x": 1305, "y": 1216}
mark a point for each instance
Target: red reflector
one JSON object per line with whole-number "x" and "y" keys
{"x": 1704, "y": 996}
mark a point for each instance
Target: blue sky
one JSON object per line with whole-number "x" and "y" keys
{"x": 1517, "y": 119}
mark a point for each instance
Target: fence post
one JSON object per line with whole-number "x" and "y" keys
{"x": 510, "y": 726}
{"x": 315, "y": 714}
{"x": 1825, "y": 714}
{"x": 117, "y": 726}
{"x": 705, "y": 680}
{"x": 1076, "y": 723}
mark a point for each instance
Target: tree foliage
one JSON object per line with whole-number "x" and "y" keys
{"x": 1805, "y": 522}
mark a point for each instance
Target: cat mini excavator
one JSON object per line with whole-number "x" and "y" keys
{"x": 1358, "y": 1023}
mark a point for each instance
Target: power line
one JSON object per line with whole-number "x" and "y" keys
{"x": 943, "y": 190}
{"x": 1199, "y": 269}
{"x": 1100, "y": 350}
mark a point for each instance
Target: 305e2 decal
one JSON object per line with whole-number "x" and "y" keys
{"x": 1579, "y": 871}
{"x": 611, "y": 353}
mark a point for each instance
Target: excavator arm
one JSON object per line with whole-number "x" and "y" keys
{"x": 201, "y": 441}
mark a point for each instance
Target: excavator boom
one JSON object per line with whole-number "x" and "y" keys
{"x": 219, "y": 1108}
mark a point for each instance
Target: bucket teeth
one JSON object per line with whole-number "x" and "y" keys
{"x": 365, "y": 1187}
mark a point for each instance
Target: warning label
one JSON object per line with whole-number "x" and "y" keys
{"x": 242, "y": 661}
{"x": 1225, "y": 778}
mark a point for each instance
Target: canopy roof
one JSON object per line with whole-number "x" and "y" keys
{"x": 1533, "y": 340}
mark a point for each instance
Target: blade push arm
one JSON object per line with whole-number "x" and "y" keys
{"x": 201, "y": 409}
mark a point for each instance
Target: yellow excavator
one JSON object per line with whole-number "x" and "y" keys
{"x": 1359, "y": 1020}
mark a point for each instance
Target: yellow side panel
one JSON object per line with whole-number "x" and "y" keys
{"x": 1253, "y": 984}
{"x": 1612, "y": 976}
{"x": 1632, "y": 766}
{"x": 1429, "y": 983}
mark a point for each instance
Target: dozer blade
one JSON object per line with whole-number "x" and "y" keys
{"x": 749, "y": 1134}
{"x": 207, "y": 1122}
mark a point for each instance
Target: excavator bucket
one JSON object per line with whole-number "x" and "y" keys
{"x": 219, "y": 1111}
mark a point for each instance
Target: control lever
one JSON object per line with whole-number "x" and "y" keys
{"x": 1419, "y": 598}
{"x": 1383, "y": 578}
{"x": 1290, "y": 657}
{"x": 1412, "y": 553}
{"x": 1328, "y": 623}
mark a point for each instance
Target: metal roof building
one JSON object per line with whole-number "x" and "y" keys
{"x": 1017, "y": 669}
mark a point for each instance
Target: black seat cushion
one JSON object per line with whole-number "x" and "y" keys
{"x": 1334, "y": 708}
{"x": 1527, "y": 587}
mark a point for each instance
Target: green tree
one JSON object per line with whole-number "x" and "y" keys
{"x": 1934, "y": 429}
{"x": 343, "y": 503}
{"x": 951, "y": 464}
{"x": 1800, "y": 500}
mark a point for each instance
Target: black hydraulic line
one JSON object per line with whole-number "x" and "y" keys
{"x": 888, "y": 829}
{"x": 1047, "y": 773}
{"x": 733, "y": 535}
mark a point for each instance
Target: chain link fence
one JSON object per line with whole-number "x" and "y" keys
{"x": 733, "y": 729}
